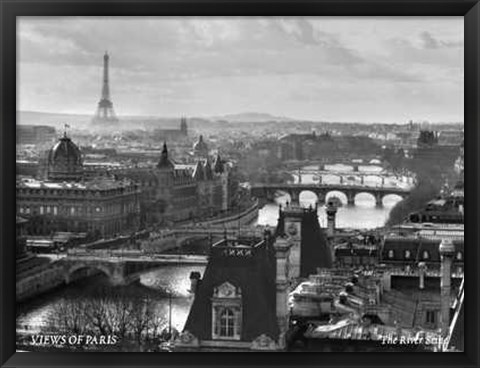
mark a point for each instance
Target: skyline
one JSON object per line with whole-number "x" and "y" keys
{"x": 383, "y": 69}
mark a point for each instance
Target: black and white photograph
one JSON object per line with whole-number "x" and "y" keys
{"x": 240, "y": 184}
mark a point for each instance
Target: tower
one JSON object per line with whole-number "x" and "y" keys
{"x": 293, "y": 215}
{"x": 105, "y": 113}
{"x": 331, "y": 210}
{"x": 282, "y": 281}
{"x": 447, "y": 250}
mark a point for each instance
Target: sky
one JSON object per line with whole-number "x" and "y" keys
{"x": 355, "y": 69}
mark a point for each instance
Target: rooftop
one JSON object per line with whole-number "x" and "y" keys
{"x": 348, "y": 329}
{"x": 93, "y": 184}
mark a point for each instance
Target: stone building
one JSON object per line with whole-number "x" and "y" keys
{"x": 68, "y": 201}
{"x": 176, "y": 192}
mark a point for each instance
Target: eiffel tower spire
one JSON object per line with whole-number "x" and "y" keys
{"x": 105, "y": 111}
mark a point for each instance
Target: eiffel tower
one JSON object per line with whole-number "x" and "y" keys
{"x": 105, "y": 113}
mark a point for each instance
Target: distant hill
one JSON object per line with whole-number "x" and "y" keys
{"x": 52, "y": 119}
{"x": 251, "y": 117}
{"x": 82, "y": 122}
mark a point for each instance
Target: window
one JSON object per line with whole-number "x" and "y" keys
{"x": 459, "y": 256}
{"x": 391, "y": 253}
{"x": 227, "y": 323}
{"x": 41, "y": 210}
{"x": 55, "y": 210}
{"x": 226, "y": 312}
{"x": 408, "y": 254}
{"x": 430, "y": 317}
{"x": 425, "y": 255}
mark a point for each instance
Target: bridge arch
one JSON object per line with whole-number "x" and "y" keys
{"x": 366, "y": 197}
{"x": 308, "y": 197}
{"x": 337, "y": 193}
{"x": 75, "y": 268}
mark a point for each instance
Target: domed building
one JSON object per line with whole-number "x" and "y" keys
{"x": 65, "y": 161}
{"x": 69, "y": 201}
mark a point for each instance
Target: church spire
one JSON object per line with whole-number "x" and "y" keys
{"x": 165, "y": 162}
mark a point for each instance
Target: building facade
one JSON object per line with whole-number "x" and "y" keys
{"x": 177, "y": 192}
{"x": 68, "y": 201}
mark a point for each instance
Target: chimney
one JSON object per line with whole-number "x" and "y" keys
{"x": 195, "y": 280}
{"x": 447, "y": 250}
{"x": 422, "y": 267}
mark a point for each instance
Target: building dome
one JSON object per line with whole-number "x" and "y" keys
{"x": 65, "y": 161}
{"x": 200, "y": 147}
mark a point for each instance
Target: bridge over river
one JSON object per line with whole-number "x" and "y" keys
{"x": 321, "y": 190}
{"x": 122, "y": 266}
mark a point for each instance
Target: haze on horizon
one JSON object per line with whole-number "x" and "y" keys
{"x": 358, "y": 69}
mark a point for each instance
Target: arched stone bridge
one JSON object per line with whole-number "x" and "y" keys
{"x": 122, "y": 269}
{"x": 267, "y": 191}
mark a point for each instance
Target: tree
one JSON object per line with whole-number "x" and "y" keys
{"x": 141, "y": 316}
{"x": 68, "y": 317}
{"x": 99, "y": 315}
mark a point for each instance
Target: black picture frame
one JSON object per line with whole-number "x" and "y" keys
{"x": 10, "y": 9}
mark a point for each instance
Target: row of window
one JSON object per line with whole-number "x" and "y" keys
{"x": 66, "y": 191}
{"x": 75, "y": 210}
{"x": 407, "y": 254}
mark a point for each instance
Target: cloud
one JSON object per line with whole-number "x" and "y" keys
{"x": 198, "y": 64}
{"x": 432, "y": 43}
